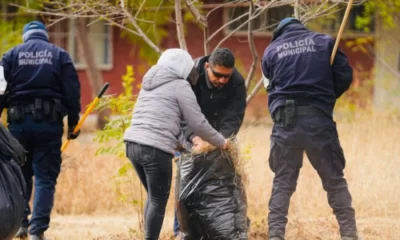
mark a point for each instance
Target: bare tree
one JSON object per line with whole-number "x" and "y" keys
{"x": 126, "y": 18}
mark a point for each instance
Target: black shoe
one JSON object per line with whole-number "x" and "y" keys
{"x": 276, "y": 238}
{"x": 38, "y": 237}
{"x": 352, "y": 238}
{"x": 22, "y": 233}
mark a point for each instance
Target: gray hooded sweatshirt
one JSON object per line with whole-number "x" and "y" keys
{"x": 165, "y": 99}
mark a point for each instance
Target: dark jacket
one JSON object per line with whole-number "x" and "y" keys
{"x": 40, "y": 69}
{"x": 223, "y": 108}
{"x": 297, "y": 64}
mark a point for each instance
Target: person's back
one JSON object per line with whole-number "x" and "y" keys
{"x": 302, "y": 92}
{"x": 302, "y": 71}
{"x": 42, "y": 88}
{"x": 164, "y": 100}
{"x": 40, "y": 69}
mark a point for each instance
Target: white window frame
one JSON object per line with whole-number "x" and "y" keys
{"x": 71, "y": 48}
{"x": 240, "y": 33}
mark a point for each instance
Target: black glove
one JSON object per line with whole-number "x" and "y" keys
{"x": 72, "y": 135}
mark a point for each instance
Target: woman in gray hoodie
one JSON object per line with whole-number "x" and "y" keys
{"x": 165, "y": 99}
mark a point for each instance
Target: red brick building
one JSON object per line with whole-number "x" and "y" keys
{"x": 113, "y": 52}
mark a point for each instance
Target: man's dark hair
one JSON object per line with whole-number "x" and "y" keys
{"x": 222, "y": 57}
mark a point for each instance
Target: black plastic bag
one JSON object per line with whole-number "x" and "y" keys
{"x": 210, "y": 199}
{"x": 12, "y": 184}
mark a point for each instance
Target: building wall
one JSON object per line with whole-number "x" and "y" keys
{"x": 124, "y": 53}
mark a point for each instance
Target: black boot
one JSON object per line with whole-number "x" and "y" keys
{"x": 22, "y": 233}
{"x": 38, "y": 237}
{"x": 352, "y": 238}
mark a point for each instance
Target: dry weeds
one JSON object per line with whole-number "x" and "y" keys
{"x": 87, "y": 192}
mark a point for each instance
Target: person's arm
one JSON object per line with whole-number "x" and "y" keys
{"x": 233, "y": 114}
{"x": 71, "y": 89}
{"x": 342, "y": 73}
{"x": 193, "y": 116}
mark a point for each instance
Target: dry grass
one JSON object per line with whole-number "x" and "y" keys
{"x": 86, "y": 186}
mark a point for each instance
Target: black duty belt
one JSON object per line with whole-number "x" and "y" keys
{"x": 285, "y": 115}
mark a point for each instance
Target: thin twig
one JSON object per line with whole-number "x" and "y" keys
{"x": 139, "y": 30}
{"x": 196, "y": 13}
{"x": 249, "y": 19}
{"x": 255, "y": 90}
{"x": 252, "y": 46}
{"x": 222, "y": 6}
{"x": 179, "y": 25}
{"x": 225, "y": 25}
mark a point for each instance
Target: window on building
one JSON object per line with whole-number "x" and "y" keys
{"x": 331, "y": 24}
{"x": 100, "y": 38}
{"x": 266, "y": 22}
{"x": 63, "y": 34}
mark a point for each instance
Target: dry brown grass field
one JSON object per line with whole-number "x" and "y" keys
{"x": 89, "y": 206}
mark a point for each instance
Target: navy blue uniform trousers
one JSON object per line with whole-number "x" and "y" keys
{"x": 42, "y": 140}
{"x": 318, "y": 137}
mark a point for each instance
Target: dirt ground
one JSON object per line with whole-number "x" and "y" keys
{"x": 88, "y": 199}
{"x": 117, "y": 227}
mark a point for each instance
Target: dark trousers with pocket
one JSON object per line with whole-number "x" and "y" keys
{"x": 154, "y": 168}
{"x": 318, "y": 137}
{"x": 42, "y": 141}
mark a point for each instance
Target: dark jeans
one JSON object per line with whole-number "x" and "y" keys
{"x": 42, "y": 140}
{"x": 318, "y": 137}
{"x": 154, "y": 168}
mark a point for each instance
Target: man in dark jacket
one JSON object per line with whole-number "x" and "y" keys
{"x": 221, "y": 93}
{"x": 302, "y": 90}
{"x": 42, "y": 88}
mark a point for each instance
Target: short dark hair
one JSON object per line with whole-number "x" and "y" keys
{"x": 222, "y": 57}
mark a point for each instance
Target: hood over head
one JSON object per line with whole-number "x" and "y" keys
{"x": 173, "y": 64}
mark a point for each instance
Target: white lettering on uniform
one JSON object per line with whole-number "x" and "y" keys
{"x": 296, "y": 47}
{"x": 35, "y": 58}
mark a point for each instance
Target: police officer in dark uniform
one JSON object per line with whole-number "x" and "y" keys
{"x": 221, "y": 94}
{"x": 42, "y": 88}
{"x": 302, "y": 91}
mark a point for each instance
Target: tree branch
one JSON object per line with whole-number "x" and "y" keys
{"x": 296, "y": 9}
{"x": 195, "y": 12}
{"x": 227, "y": 24}
{"x": 257, "y": 13}
{"x": 223, "y": 5}
{"x": 255, "y": 90}
{"x": 179, "y": 25}
{"x": 206, "y": 44}
{"x": 252, "y": 47}
{"x": 139, "y": 30}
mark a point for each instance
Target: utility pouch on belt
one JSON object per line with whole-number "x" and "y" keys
{"x": 37, "y": 112}
{"x": 289, "y": 118}
{"x": 58, "y": 111}
{"x": 15, "y": 113}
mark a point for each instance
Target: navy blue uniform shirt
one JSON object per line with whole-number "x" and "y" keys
{"x": 38, "y": 68}
{"x": 297, "y": 64}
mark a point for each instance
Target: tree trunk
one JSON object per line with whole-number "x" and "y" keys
{"x": 94, "y": 74}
